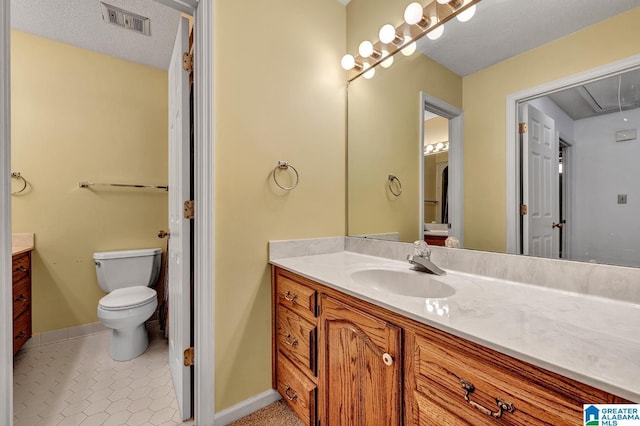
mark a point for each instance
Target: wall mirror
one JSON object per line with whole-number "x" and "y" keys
{"x": 589, "y": 178}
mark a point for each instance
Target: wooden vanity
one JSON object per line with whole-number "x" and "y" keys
{"x": 339, "y": 360}
{"x": 21, "y": 278}
{"x": 21, "y": 281}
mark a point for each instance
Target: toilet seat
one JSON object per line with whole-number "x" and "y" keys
{"x": 127, "y": 298}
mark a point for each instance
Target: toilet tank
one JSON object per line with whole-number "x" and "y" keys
{"x": 127, "y": 268}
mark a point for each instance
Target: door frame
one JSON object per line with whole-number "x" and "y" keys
{"x": 511, "y": 132}
{"x": 204, "y": 340}
{"x": 456, "y": 163}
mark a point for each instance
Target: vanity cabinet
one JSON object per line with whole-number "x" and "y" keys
{"x": 345, "y": 361}
{"x": 360, "y": 367}
{"x": 435, "y": 240}
{"x": 21, "y": 280}
{"x": 451, "y": 381}
{"x": 295, "y": 343}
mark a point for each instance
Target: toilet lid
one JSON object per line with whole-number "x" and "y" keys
{"x": 127, "y": 298}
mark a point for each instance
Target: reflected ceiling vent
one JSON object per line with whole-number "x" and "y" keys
{"x": 125, "y": 19}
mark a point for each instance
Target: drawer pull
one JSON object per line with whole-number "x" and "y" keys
{"x": 288, "y": 341}
{"x": 20, "y": 298}
{"x": 387, "y": 359}
{"x": 290, "y": 394}
{"x": 288, "y": 296}
{"x": 502, "y": 404}
{"x": 21, "y": 268}
{"x": 21, "y": 335}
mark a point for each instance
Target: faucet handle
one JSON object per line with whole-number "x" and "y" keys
{"x": 422, "y": 249}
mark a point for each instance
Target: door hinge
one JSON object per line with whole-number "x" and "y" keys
{"x": 187, "y": 61}
{"x": 188, "y": 209}
{"x": 188, "y": 357}
{"x": 523, "y": 209}
{"x": 317, "y": 310}
{"x": 522, "y": 128}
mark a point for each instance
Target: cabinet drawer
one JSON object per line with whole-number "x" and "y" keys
{"x": 21, "y": 330}
{"x": 450, "y": 370}
{"x": 296, "y": 296}
{"x": 296, "y": 339}
{"x": 20, "y": 266}
{"x": 297, "y": 391}
{"x": 21, "y": 296}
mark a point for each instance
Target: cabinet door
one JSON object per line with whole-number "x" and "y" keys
{"x": 360, "y": 367}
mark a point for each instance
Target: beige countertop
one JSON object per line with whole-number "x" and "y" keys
{"x": 21, "y": 243}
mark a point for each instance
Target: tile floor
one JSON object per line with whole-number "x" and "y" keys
{"x": 75, "y": 382}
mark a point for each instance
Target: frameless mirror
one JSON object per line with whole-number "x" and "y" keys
{"x": 580, "y": 196}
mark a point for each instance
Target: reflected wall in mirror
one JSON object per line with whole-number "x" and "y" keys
{"x": 386, "y": 106}
{"x": 581, "y": 149}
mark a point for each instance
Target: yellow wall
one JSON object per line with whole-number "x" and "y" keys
{"x": 485, "y": 95}
{"x": 79, "y": 115}
{"x": 279, "y": 95}
{"x": 384, "y": 138}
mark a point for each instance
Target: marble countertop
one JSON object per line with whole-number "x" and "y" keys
{"x": 591, "y": 339}
{"x": 21, "y": 243}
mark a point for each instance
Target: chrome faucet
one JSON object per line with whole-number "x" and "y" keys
{"x": 421, "y": 260}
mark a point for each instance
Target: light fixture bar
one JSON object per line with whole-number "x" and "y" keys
{"x": 443, "y": 14}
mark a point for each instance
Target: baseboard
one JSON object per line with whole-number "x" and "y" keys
{"x": 246, "y": 407}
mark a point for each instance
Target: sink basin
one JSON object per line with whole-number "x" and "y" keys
{"x": 404, "y": 283}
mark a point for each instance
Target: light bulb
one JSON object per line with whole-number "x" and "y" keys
{"x": 387, "y": 34}
{"x": 365, "y": 49}
{"x": 436, "y": 33}
{"x": 388, "y": 61}
{"x": 348, "y": 62}
{"x": 429, "y": 148}
{"x": 409, "y": 48}
{"x": 443, "y": 1}
{"x": 413, "y": 13}
{"x": 370, "y": 73}
{"x": 467, "y": 14}
{"x": 439, "y": 146}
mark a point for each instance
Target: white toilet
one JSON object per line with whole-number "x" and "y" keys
{"x": 126, "y": 275}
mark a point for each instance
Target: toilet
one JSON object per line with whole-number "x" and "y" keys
{"x": 127, "y": 275}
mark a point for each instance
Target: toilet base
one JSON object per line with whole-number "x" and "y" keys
{"x": 127, "y": 344}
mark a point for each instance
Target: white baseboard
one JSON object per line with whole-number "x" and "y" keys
{"x": 246, "y": 407}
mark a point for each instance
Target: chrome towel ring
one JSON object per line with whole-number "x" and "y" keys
{"x": 397, "y": 191}
{"x": 284, "y": 165}
{"x": 17, "y": 175}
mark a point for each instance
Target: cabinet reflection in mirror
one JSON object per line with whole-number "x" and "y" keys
{"x": 583, "y": 213}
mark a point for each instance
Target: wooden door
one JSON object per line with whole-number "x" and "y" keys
{"x": 179, "y": 258}
{"x": 540, "y": 184}
{"x": 356, "y": 385}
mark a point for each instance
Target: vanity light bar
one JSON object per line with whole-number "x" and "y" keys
{"x": 434, "y": 16}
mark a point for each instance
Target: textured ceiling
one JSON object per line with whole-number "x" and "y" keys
{"x": 501, "y": 29}
{"x": 79, "y": 23}
{"x": 611, "y": 94}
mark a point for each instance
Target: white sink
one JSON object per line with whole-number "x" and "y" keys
{"x": 405, "y": 283}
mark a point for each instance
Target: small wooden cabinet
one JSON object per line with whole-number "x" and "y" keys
{"x": 435, "y": 240}
{"x": 21, "y": 278}
{"x": 341, "y": 361}
{"x": 295, "y": 344}
{"x": 360, "y": 367}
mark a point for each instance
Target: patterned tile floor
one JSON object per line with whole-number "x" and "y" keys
{"x": 76, "y": 383}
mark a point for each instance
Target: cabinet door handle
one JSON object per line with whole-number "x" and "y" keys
{"x": 21, "y": 268}
{"x": 502, "y": 404}
{"x": 387, "y": 359}
{"x": 290, "y": 394}
{"x": 20, "y": 298}
{"x": 20, "y": 335}
{"x": 290, "y": 297}
{"x": 288, "y": 341}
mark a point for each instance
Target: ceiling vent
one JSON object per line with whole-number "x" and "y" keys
{"x": 125, "y": 19}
